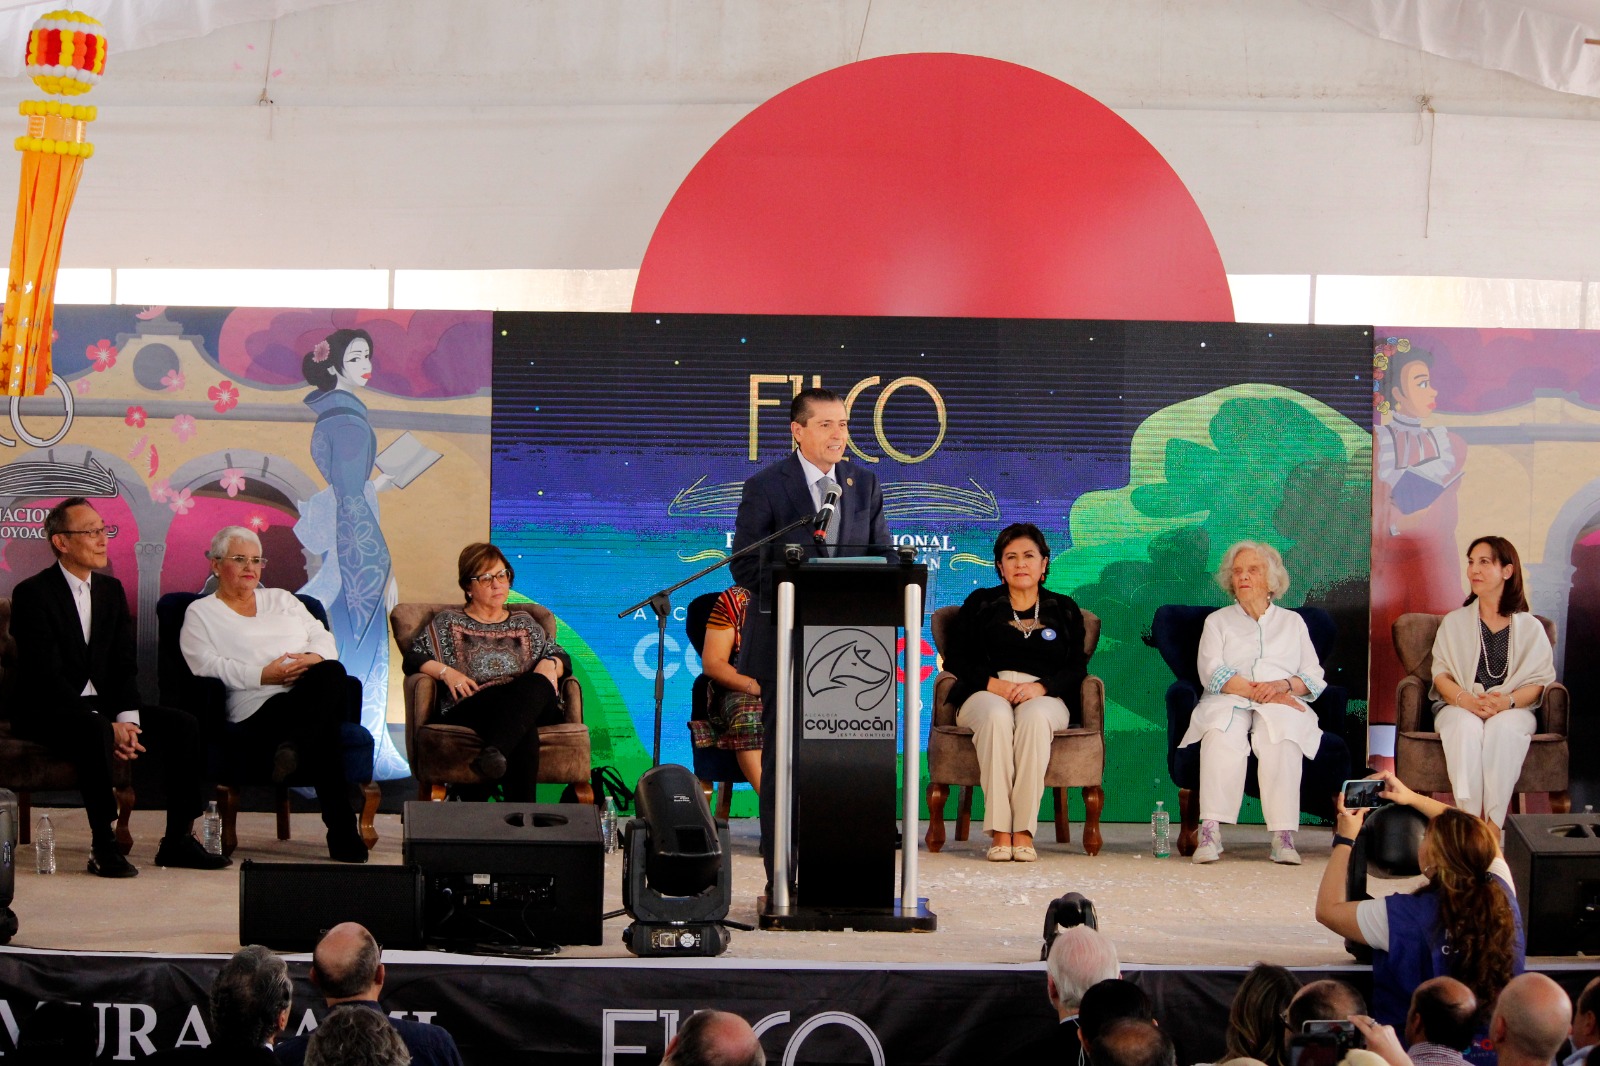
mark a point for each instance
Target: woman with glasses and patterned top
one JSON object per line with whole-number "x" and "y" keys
{"x": 284, "y": 680}
{"x": 1017, "y": 654}
{"x": 499, "y": 673}
{"x": 1491, "y": 663}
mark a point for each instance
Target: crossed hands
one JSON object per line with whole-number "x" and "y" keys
{"x": 1486, "y": 705}
{"x": 125, "y": 741}
{"x": 1280, "y": 691}
{"x": 1015, "y": 692}
{"x": 287, "y": 668}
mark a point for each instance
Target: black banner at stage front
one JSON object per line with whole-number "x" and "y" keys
{"x": 622, "y": 1012}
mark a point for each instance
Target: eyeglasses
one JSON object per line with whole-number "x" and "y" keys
{"x": 104, "y": 531}
{"x": 240, "y": 560}
{"x": 489, "y": 579}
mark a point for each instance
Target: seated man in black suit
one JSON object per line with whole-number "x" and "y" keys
{"x": 76, "y": 663}
{"x": 347, "y": 968}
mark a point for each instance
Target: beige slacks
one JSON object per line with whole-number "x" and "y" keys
{"x": 1484, "y": 758}
{"x": 1013, "y": 750}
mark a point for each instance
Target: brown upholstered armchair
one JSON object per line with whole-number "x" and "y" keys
{"x": 1418, "y": 754}
{"x": 442, "y": 754}
{"x": 1077, "y": 755}
{"x": 26, "y": 767}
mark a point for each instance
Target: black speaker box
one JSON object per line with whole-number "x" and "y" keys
{"x": 289, "y": 905}
{"x": 1555, "y": 865}
{"x": 524, "y": 873}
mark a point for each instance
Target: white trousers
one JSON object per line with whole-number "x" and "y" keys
{"x": 1013, "y": 750}
{"x": 1484, "y": 758}
{"x": 1224, "y": 755}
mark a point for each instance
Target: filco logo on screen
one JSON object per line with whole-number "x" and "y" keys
{"x": 614, "y": 1052}
{"x": 776, "y": 390}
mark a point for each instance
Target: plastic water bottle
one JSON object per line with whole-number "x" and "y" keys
{"x": 1161, "y": 830}
{"x": 211, "y": 830}
{"x": 608, "y": 825}
{"x": 44, "y": 846}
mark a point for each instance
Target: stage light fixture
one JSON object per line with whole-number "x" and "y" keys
{"x": 677, "y": 876}
{"x": 1064, "y": 912}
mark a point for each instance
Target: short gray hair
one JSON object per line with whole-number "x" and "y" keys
{"x": 353, "y": 1035}
{"x": 227, "y": 534}
{"x": 1080, "y": 958}
{"x": 250, "y": 993}
{"x": 1277, "y": 575}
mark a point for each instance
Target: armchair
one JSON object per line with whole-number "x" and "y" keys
{"x": 1077, "y": 755}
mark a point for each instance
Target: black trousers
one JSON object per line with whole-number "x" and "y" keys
{"x": 508, "y": 717}
{"x": 309, "y": 716}
{"x": 78, "y": 732}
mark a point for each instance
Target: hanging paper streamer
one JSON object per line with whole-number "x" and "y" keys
{"x": 66, "y": 56}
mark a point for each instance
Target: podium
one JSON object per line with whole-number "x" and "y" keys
{"x": 837, "y": 726}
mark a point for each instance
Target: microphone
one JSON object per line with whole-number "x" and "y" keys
{"x": 830, "y": 503}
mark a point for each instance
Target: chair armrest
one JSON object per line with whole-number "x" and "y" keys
{"x": 1093, "y": 697}
{"x": 572, "y": 700}
{"x": 1555, "y": 709}
{"x": 1412, "y": 714}
{"x": 944, "y": 712}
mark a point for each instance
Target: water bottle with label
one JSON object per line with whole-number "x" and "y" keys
{"x": 1161, "y": 830}
{"x": 211, "y": 830}
{"x": 608, "y": 825}
{"x": 44, "y": 846}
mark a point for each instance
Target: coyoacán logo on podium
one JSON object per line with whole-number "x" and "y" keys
{"x": 849, "y": 683}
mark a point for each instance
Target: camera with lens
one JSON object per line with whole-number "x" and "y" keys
{"x": 1065, "y": 912}
{"x": 1323, "y": 1043}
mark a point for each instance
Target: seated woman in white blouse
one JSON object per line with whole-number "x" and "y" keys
{"x": 285, "y": 684}
{"x": 1260, "y": 673}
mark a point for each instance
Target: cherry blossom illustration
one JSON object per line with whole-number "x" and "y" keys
{"x": 103, "y": 354}
{"x": 173, "y": 380}
{"x": 233, "y": 481}
{"x": 184, "y": 427}
{"x": 161, "y": 491}
{"x": 259, "y": 523}
{"x": 138, "y": 448}
{"x": 180, "y": 502}
{"x": 135, "y": 418}
{"x": 224, "y": 396}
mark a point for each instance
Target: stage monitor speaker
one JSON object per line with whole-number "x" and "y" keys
{"x": 524, "y": 873}
{"x": 1555, "y": 865}
{"x": 289, "y": 905}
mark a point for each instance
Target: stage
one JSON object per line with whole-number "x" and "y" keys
{"x": 971, "y": 991}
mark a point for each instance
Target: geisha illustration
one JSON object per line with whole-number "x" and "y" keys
{"x": 355, "y": 583}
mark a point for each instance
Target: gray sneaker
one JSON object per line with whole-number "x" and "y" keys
{"x": 1209, "y": 848}
{"x": 1283, "y": 848}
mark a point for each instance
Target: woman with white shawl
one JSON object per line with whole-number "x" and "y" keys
{"x": 1491, "y": 663}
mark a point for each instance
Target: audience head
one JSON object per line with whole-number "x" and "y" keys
{"x": 1325, "y": 1000}
{"x": 1255, "y": 1020}
{"x": 1110, "y": 1001}
{"x": 1530, "y": 1021}
{"x": 356, "y": 1036}
{"x": 58, "y": 1034}
{"x": 1080, "y": 958}
{"x": 1276, "y": 575}
{"x": 1586, "y": 1016}
{"x": 250, "y": 999}
{"x": 347, "y": 964}
{"x": 1443, "y": 1011}
{"x": 1132, "y": 1042}
{"x": 1473, "y": 911}
{"x": 715, "y": 1038}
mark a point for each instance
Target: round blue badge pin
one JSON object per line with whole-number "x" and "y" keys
{"x": 1048, "y": 634}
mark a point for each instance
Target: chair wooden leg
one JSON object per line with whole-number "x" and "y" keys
{"x": 283, "y": 811}
{"x": 1188, "y": 821}
{"x": 24, "y": 816}
{"x": 937, "y": 795}
{"x": 228, "y": 807}
{"x": 1094, "y": 800}
{"x": 725, "y": 801}
{"x": 1561, "y": 802}
{"x": 125, "y": 803}
{"x": 964, "y": 813}
{"x": 433, "y": 793}
{"x": 370, "y": 795}
{"x": 1063, "y": 826}
{"x": 584, "y": 792}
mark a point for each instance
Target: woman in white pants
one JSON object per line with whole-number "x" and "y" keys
{"x": 1260, "y": 670}
{"x": 1017, "y": 653}
{"x": 1491, "y": 662}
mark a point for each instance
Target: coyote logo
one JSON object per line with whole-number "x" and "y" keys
{"x": 851, "y": 661}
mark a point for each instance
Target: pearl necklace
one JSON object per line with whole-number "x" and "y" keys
{"x": 1483, "y": 649}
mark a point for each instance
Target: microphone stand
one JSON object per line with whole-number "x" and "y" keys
{"x": 661, "y": 604}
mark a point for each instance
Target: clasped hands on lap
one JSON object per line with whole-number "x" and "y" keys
{"x": 287, "y": 668}
{"x": 1265, "y": 692}
{"x": 1014, "y": 693}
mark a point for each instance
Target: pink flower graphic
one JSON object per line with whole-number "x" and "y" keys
{"x": 320, "y": 353}
{"x": 155, "y": 462}
{"x": 81, "y": 386}
{"x": 172, "y": 380}
{"x": 135, "y": 417}
{"x": 180, "y": 502}
{"x": 144, "y": 438}
{"x": 161, "y": 491}
{"x": 233, "y": 481}
{"x": 224, "y": 396}
{"x": 184, "y": 427}
{"x": 259, "y": 523}
{"x": 104, "y": 355}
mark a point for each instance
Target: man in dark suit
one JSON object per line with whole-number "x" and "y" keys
{"x": 347, "y": 968}
{"x": 774, "y": 497}
{"x": 76, "y": 664}
{"x": 250, "y": 999}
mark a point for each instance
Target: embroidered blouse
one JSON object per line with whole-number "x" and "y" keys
{"x": 491, "y": 653}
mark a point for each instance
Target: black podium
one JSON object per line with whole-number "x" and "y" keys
{"x": 838, "y": 623}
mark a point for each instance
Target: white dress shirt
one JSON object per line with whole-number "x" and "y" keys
{"x": 80, "y": 598}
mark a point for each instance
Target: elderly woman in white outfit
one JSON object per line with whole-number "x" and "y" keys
{"x": 1260, "y": 670}
{"x": 1491, "y": 663}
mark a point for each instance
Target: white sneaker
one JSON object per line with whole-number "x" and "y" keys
{"x": 1210, "y": 844}
{"x": 1283, "y": 848}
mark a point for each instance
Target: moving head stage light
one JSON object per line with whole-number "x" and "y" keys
{"x": 677, "y": 871}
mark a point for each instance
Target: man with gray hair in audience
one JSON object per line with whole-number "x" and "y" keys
{"x": 1080, "y": 957}
{"x": 715, "y": 1038}
{"x": 351, "y": 1035}
{"x": 1530, "y": 1021}
{"x": 249, "y": 1008}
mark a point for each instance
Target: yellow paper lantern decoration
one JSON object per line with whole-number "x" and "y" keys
{"x": 66, "y": 57}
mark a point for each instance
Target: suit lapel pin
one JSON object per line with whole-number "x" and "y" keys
{"x": 850, "y": 482}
